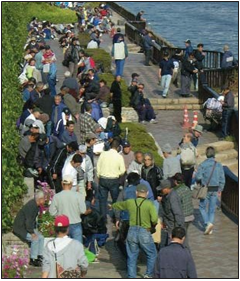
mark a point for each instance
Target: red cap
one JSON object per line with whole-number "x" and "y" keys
{"x": 61, "y": 221}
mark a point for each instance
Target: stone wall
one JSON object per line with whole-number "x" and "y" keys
{"x": 128, "y": 114}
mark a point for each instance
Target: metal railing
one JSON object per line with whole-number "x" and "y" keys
{"x": 122, "y": 11}
{"x": 230, "y": 194}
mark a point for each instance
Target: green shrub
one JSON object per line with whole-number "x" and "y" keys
{"x": 141, "y": 140}
{"x": 101, "y": 56}
{"x": 125, "y": 93}
{"x": 84, "y": 38}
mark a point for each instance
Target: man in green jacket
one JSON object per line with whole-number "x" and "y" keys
{"x": 142, "y": 216}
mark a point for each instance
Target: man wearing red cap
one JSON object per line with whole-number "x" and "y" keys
{"x": 66, "y": 252}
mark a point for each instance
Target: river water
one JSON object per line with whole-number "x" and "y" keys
{"x": 212, "y": 23}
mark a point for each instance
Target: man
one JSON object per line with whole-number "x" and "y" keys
{"x": 110, "y": 167}
{"x": 187, "y": 70}
{"x": 171, "y": 165}
{"x": 70, "y": 102}
{"x": 87, "y": 124}
{"x": 45, "y": 103}
{"x": 25, "y": 228}
{"x": 57, "y": 109}
{"x": 117, "y": 35}
{"x": 228, "y": 106}
{"x": 68, "y": 134}
{"x": 197, "y": 133}
{"x": 185, "y": 196}
{"x": 142, "y": 216}
{"x": 147, "y": 46}
{"x": 39, "y": 58}
{"x": 116, "y": 94}
{"x": 175, "y": 261}
{"x": 139, "y": 16}
{"x": 199, "y": 56}
{"x": 70, "y": 168}
{"x": 210, "y": 172}
{"x": 228, "y": 59}
{"x": 58, "y": 163}
{"x": 32, "y": 117}
{"x": 133, "y": 87}
{"x": 166, "y": 67}
{"x": 188, "y": 50}
{"x": 73, "y": 53}
{"x": 127, "y": 154}
{"x": 172, "y": 210}
{"x": 119, "y": 54}
{"x": 70, "y": 203}
{"x": 103, "y": 96}
{"x": 70, "y": 82}
{"x": 37, "y": 92}
{"x": 137, "y": 163}
{"x": 25, "y": 144}
{"x": 69, "y": 252}
{"x": 62, "y": 123}
{"x": 91, "y": 139}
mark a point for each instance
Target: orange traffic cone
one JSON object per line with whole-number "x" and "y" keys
{"x": 185, "y": 118}
{"x": 195, "y": 119}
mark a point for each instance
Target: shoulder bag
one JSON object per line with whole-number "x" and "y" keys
{"x": 199, "y": 191}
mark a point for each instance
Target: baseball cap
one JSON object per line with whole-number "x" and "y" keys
{"x": 142, "y": 188}
{"x": 91, "y": 136}
{"x": 187, "y": 41}
{"x": 135, "y": 75}
{"x": 42, "y": 139}
{"x": 164, "y": 184}
{"x": 126, "y": 144}
{"x": 61, "y": 221}
{"x": 167, "y": 148}
{"x": 82, "y": 148}
{"x": 67, "y": 179}
{"x": 66, "y": 111}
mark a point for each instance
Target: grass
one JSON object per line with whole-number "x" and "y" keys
{"x": 141, "y": 140}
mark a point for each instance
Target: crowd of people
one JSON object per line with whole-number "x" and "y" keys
{"x": 66, "y": 142}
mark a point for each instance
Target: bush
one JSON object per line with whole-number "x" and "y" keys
{"x": 141, "y": 140}
{"x": 100, "y": 56}
{"x": 84, "y": 38}
{"x": 125, "y": 93}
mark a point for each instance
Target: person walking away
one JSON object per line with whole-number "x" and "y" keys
{"x": 171, "y": 164}
{"x": 185, "y": 196}
{"x": 199, "y": 56}
{"x": 188, "y": 69}
{"x": 172, "y": 211}
{"x": 188, "y": 156}
{"x": 211, "y": 170}
{"x": 63, "y": 253}
{"x": 119, "y": 54}
{"x": 228, "y": 106}
{"x": 110, "y": 167}
{"x": 116, "y": 94}
{"x": 166, "y": 67}
{"x": 24, "y": 227}
{"x": 142, "y": 216}
{"x": 175, "y": 261}
{"x": 73, "y": 54}
{"x": 188, "y": 50}
{"x": 70, "y": 203}
{"x": 148, "y": 46}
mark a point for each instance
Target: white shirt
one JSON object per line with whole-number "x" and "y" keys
{"x": 68, "y": 169}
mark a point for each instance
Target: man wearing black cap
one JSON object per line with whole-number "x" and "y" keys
{"x": 62, "y": 122}
{"x": 127, "y": 154}
{"x": 199, "y": 56}
{"x": 166, "y": 67}
{"x": 142, "y": 216}
{"x": 189, "y": 48}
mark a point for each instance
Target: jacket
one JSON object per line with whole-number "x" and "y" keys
{"x": 71, "y": 103}
{"x": 120, "y": 51}
{"x": 46, "y": 104}
{"x": 154, "y": 176}
{"x": 58, "y": 161}
{"x": 172, "y": 211}
{"x": 174, "y": 261}
{"x": 204, "y": 172}
{"x": 116, "y": 90}
{"x": 60, "y": 108}
{"x": 228, "y": 60}
{"x": 199, "y": 57}
{"x": 185, "y": 196}
{"x": 187, "y": 68}
{"x": 71, "y": 83}
{"x": 25, "y": 221}
{"x": 147, "y": 42}
{"x": 188, "y": 51}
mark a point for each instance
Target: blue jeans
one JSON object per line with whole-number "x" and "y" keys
{"x": 165, "y": 84}
{"x": 37, "y": 245}
{"x": 105, "y": 186}
{"x": 75, "y": 232}
{"x": 52, "y": 86}
{"x": 226, "y": 117}
{"x": 139, "y": 238}
{"x": 119, "y": 67}
{"x": 208, "y": 215}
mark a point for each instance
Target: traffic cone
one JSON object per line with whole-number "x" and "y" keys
{"x": 195, "y": 119}
{"x": 185, "y": 118}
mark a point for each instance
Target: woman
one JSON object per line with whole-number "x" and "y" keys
{"x": 152, "y": 174}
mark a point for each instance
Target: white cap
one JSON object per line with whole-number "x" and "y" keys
{"x": 67, "y": 179}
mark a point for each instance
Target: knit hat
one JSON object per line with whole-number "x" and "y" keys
{"x": 61, "y": 221}
{"x": 167, "y": 148}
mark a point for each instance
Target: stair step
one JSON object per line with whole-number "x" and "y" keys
{"x": 235, "y": 172}
{"x": 232, "y": 164}
{"x": 182, "y": 101}
{"x": 175, "y": 107}
{"x": 219, "y": 146}
{"x": 221, "y": 156}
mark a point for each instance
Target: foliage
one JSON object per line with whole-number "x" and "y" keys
{"x": 100, "y": 56}
{"x": 125, "y": 93}
{"x": 15, "y": 265}
{"x": 92, "y": 4}
{"x": 84, "y": 38}
{"x": 141, "y": 140}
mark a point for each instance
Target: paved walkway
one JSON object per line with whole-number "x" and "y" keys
{"x": 216, "y": 255}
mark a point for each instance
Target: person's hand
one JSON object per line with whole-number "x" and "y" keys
{"x": 77, "y": 116}
{"x": 54, "y": 176}
{"x": 34, "y": 236}
{"x": 109, "y": 206}
{"x": 39, "y": 170}
{"x": 219, "y": 193}
{"x": 117, "y": 224}
{"x": 195, "y": 71}
{"x": 159, "y": 198}
{"x": 93, "y": 201}
{"x": 89, "y": 185}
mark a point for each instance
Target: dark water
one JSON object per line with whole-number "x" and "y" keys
{"x": 212, "y": 23}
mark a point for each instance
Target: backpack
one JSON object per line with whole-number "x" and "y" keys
{"x": 188, "y": 155}
{"x": 92, "y": 63}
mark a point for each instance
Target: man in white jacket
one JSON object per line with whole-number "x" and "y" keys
{"x": 119, "y": 54}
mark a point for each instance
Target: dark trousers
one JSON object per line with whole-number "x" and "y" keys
{"x": 185, "y": 85}
{"x": 105, "y": 186}
{"x": 226, "y": 117}
{"x": 186, "y": 237}
{"x": 187, "y": 174}
{"x": 145, "y": 113}
{"x": 117, "y": 109}
{"x": 148, "y": 54}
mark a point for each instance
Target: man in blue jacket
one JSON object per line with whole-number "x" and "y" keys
{"x": 228, "y": 59}
{"x": 189, "y": 49}
{"x": 175, "y": 261}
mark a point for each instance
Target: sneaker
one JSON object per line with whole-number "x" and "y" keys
{"x": 208, "y": 228}
{"x": 146, "y": 276}
{"x": 143, "y": 122}
{"x": 33, "y": 172}
{"x": 153, "y": 121}
{"x": 35, "y": 263}
{"x": 164, "y": 97}
{"x": 211, "y": 232}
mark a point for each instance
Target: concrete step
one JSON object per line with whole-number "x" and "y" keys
{"x": 176, "y": 107}
{"x": 232, "y": 164}
{"x": 235, "y": 172}
{"x": 221, "y": 156}
{"x": 219, "y": 146}
{"x": 181, "y": 101}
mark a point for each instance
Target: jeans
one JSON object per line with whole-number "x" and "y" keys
{"x": 75, "y": 232}
{"x": 211, "y": 200}
{"x": 165, "y": 84}
{"x": 119, "y": 67}
{"x": 37, "y": 245}
{"x": 105, "y": 186}
{"x": 226, "y": 116}
{"x": 52, "y": 86}
{"x": 49, "y": 128}
{"x": 139, "y": 238}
